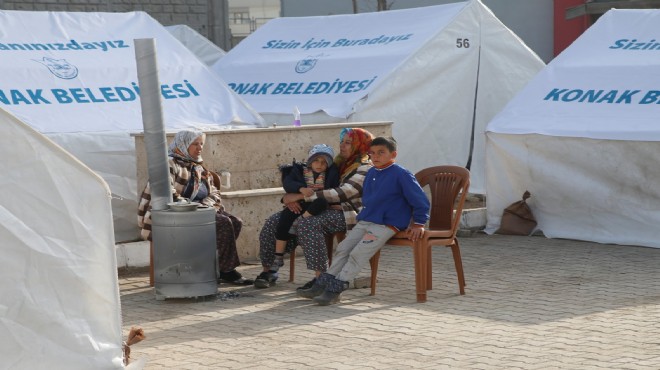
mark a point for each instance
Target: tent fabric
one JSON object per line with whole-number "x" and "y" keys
{"x": 112, "y": 156}
{"x": 588, "y": 161}
{"x": 585, "y": 189}
{"x": 206, "y": 51}
{"x": 434, "y": 71}
{"x": 60, "y": 295}
{"x": 82, "y": 66}
{"x": 315, "y": 44}
{"x": 73, "y": 76}
{"x": 608, "y": 74}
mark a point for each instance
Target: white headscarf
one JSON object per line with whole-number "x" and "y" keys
{"x": 182, "y": 140}
{"x": 179, "y": 149}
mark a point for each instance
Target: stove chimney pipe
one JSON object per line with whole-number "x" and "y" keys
{"x": 152, "y": 120}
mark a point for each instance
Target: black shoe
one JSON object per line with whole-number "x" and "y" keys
{"x": 327, "y": 298}
{"x": 265, "y": 280}
{"x": 316, "y": 290}
{"x": 234, "y": 277}
{"x": 307, "y": 285}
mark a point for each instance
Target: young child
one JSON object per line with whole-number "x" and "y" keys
{"x": 318, "y": 173}
{"x": 389, "y": 195}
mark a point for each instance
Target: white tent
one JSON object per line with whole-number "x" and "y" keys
{"x": 73, "y": 77}
{"x": 60, "y": 296}
{"x": 434, "y": 71}
{"x": 583, "y": 136}
{"x": 206, "y": 51}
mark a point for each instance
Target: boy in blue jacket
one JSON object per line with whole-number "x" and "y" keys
{"x": 391, "y": 194}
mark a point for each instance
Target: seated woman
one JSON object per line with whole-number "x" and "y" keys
{"x": 353, "y": 163}
{"x": 192, "y": 181}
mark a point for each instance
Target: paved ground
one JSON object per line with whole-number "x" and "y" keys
{"x": 531, "y": 303}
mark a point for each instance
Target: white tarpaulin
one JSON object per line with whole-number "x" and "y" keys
{"x": 582, "y": 137}
{"x": 206, "y": 51}
{"x": 73, "y": 77}
{"x": 434, "y": 71}
{"x": 59, "y": 294}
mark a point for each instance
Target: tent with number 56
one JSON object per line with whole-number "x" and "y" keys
{"x": 440, "y": 73}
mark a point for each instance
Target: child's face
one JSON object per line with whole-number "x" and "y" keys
{"x": 319, "y": 164}
{"x": 380, "y": 155}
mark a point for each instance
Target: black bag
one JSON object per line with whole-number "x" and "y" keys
{"x": 517, "y": 219}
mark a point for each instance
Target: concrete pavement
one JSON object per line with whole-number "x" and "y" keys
{"x": 530, "y": 303}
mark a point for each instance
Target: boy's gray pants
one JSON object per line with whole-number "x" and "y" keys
{"x": 354, "y": 252}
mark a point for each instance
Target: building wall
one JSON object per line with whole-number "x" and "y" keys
{"x": 567, "y": 30}
{"x": 194, "y": 13}
{"x": 245, "y": 16}
{"x": 211, "y": 18}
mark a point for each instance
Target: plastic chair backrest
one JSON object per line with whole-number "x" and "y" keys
{"x": 448, "y": 186}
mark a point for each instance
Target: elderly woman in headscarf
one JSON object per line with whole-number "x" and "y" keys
{"x": 190, "y": 180}
{"x": 353, "y": 163}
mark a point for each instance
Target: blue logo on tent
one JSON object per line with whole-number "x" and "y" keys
{"x": 305, "y": 65}
{"x": 59, "y": 67}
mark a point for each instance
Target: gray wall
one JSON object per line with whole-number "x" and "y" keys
{"x": 531, "y": 20}
{"x": 205, "y": 16}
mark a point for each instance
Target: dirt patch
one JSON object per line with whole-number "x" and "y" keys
{"x": 125, "y": 272}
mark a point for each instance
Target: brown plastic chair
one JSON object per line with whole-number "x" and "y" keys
{"x": 216, "y": 180}
{"x": 329, "y": 244}
{"x": 449, "y": 186}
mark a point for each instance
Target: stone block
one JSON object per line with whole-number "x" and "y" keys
{"x": 361, "y": 282}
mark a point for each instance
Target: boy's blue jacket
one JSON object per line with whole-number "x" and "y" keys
{"x": 391, "y": 196}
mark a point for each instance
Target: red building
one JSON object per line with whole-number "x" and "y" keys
{"x": 572, "y": 17}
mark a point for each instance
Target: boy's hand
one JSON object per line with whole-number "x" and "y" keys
{"x": 306, "y": 214}
{"x": 307, "y": 192}
{"x": 415, "y": 232}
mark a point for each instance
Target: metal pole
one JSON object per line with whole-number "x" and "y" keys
{"x": 219, "y": 31}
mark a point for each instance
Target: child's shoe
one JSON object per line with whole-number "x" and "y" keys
{"x": 266, "y": 279}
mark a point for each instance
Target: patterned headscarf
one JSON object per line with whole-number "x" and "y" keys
{"x": 182, "y": 140}
{"x": 179, "y": 149}
{"x": 361, "y": 141}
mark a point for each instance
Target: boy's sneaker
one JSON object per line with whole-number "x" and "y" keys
{"x": 307, "y": 285}
{"x": 265, "y": 280}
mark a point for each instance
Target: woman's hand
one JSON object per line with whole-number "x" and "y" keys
{"x": 291, "y": 202}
